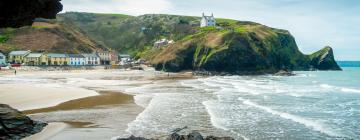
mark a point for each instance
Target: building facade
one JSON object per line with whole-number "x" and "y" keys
{"x": 57, "y": 59}
{"x": 91, "y": 59}
{"x": 17, "y": 56}
{"x": 114, "y": 58}
{"x": 2, "y": 59}
{"x": 76, "y": 60}
{"x": 36, "y": 59}
{"x": 104, "y": 57}
{"x": 208, "y": 21}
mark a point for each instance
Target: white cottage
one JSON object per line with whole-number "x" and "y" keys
{"x": 91, "y": 59}
{"x": 76, "y": 59}
{"x": 208, "y": 21}
{"x": 2, "y": 59}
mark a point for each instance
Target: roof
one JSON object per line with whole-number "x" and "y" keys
{"x": 58, "y": 55}
{"x": 124, "y": 55}
{"x": 34, "y": 55}
{"x": 90, "y": 55}
{"x": 76, "y": 56}
{"x": 19, "y": 52}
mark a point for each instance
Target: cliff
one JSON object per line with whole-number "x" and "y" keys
{"x": 241, "y": 48}
{"x": 237, "y": 47}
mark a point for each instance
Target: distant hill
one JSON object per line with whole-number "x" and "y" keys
{"x": 349, "y": 63}
{"x": 232, "y": 47}
{"x": 49, "y": 36}
{"x": 129, "y": 34}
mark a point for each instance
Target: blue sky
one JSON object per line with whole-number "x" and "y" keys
{"x": 314, "y": 23}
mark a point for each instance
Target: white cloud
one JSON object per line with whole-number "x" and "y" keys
{"x": 132, "y": 7}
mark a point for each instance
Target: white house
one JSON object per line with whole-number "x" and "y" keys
{"x": 91, "y": 59}
{"x": 208, "y": 21}
{"x": 104, "y": 57}
{"x": 76, "y": 59}
{"x": 163, "y": 42}
{"x": 2, "y": 59}
{"x": 124, "y": 59}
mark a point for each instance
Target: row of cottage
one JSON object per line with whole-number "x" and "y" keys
{"x": 57, "y": 59}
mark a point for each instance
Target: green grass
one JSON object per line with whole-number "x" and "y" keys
{"x": 240, "y": 29}
{"x": 110, "y": 14}
{"x": 39, "y": 27}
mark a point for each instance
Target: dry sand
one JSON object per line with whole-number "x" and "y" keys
{"x": 27, "y": 97}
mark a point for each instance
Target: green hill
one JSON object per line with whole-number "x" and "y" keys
{"x": 234, "y": 46}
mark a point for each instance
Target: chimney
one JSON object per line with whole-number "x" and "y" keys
{"x": 203, "y": 14}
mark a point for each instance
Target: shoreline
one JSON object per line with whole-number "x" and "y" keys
{"x": 105, "y": 100}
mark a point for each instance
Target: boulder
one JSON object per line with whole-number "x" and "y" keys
{"x": 15, "y": 125}
{"x": 284, "y": 73}
{"x": 17, "y": 13}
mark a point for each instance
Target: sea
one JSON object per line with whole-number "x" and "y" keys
{"x": 310, "y": 105}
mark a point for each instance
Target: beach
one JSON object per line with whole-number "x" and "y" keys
{"x": 107, "y": 104}
{"x": 81, "y": 104}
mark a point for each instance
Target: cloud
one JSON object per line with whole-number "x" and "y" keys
{"x": 131, "y": 7}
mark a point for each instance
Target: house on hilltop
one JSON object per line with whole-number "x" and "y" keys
{"x": 208, "y": 21}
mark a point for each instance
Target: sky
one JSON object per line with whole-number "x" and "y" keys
{"x": 314, "y": 23}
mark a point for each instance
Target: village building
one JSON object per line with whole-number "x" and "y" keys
{"x": 91, "y": 59}
{"x": 2, "y": 59}
{"x": 104, "y": 57}
{"x": 17, "y": 56}
{"x": 114, "y": 59}
{"x": 162, "y": 42}
{"x": 124, "y": 59}
{"x": 208, "y": 21}
{"x": 36, "y": 59}
{"x": 57, "y": 59}
{"x": 76, "y": 59}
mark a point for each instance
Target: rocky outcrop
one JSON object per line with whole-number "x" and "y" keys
{"x": 14, "y": 125}
{"x": 246, "y": 49}
{"x": 17, "y": 13}
{"x": 324, "y": 59}
{"x": 192, "y": 136}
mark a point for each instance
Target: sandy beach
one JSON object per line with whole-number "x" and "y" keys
{"x": 81, "y": 104}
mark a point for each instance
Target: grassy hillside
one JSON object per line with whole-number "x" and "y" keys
{"x": 129, "y": 34}
{"x": 48, "y": 36}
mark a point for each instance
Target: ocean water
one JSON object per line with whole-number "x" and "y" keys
{"x": 310, "y": 105}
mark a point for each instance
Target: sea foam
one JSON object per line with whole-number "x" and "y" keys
{"x": 308, "y": 123}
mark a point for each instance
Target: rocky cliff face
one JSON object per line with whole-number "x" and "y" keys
{"x": 15, "y": 125}
{"x": 243, "y": 48}
{"x": 324, "y": 59}
{"x": 17, "y": 13}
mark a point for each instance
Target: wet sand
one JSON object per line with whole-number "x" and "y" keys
{"x": 106, "y": 98}
{"x": 87, "y": 128}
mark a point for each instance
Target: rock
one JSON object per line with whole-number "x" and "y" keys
{"x": 15, "y": 125}
{"x": 194, "y": 136}
{"x": 175, "y": 136}
{"x": 324, "y": 59}
{"x": 17, "y": 13}
{"x": 218, "y": 138}
{"x": 284, "y": 73}
{"x": 133, "y": 138}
